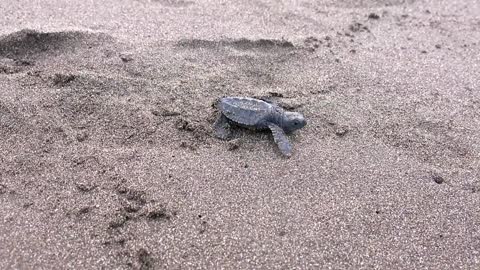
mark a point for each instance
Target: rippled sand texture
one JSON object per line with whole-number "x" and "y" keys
{"x": 107, "y": 154}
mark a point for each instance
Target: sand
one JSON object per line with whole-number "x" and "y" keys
{"x": 108, "y": 160}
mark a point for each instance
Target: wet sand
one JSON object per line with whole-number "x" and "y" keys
{"x": 108, "y": 160}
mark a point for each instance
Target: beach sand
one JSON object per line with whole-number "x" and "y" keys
{"x": 108, "y": 159}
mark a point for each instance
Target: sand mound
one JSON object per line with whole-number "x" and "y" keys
{"x": 174, "y": 3}
{"x": 33, "y": 44}
{"x": 239, "y": 44}
{"x": 369, "y": 3}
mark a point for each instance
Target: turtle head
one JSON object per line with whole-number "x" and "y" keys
{"x": 293, "y": 121}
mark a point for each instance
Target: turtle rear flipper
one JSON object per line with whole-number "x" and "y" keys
{"x": 281, "y": 139}
{"x": 222, "y": 127}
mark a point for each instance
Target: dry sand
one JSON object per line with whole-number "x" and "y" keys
{"x": 107, "y": 154}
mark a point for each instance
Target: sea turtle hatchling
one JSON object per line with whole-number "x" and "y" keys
{"x": 259, "y": 115}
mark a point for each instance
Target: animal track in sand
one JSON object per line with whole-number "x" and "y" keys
{"x": 102, "y": 108}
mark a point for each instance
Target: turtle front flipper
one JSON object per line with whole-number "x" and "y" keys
{"x": 281, "y": 139}
{"x": 222, "y": 127}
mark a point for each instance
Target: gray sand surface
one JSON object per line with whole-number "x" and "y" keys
{"x": 107, "y": 159}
